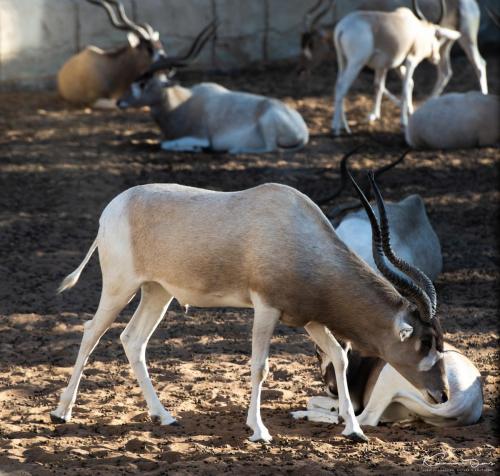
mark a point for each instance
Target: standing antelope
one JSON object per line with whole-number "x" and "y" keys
{"x": 378, "y": 392}
{"x": 209, "y": 116}
{"x": 269, "y": 248}
{"x": 99, "y": 75}
{"x": 383, "y": 41}
{"x": 460, "y": 15}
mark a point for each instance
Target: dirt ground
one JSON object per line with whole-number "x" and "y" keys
{"x": 60, "y": 166}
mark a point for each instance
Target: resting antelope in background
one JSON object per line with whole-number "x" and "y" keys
{"x": 209, "y": 116}
{"x": 278, "y": 254}
{"x": 460, "y": 15}
{"x": 100, "y": 75}
{"x": 383, "y": 41}
{"x": 378, "y": 392}
{"x": 455, "y": 120}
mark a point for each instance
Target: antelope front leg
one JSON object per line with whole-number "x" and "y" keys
{"x": 330, "y": 346}
{"x": 379, "y": 83}
{"x": 407, "y": 102}
{"x": 265, "y": 321}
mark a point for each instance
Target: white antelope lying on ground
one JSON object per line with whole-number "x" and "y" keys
{"x": 460, "y": 15}
{"x": 378, "y": 392}
{"x": 209, "y": 116}
{"x": 269, "y": 248}
{"x": 95, "y": 74}
{"x": 383, "y": 41}
{"x": 455, "y": 120}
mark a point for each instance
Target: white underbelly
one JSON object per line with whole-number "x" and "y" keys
{"x": 191, "y": 297}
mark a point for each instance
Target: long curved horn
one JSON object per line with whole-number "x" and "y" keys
{"x": 320, "y": 15}
{"x": 344, "y": 177}
{"x": 494, "y": 16}
{"x": 420, "y": 278}
{"x": 122, "y": 22}
{"x": 309, "y": 13}
{"x": 417, "y": 11}
{"x": 442, "y": 4}
{"x": 406, "y": 287}
{"x": 419, "y": 14}
{"x": 195, "y": 49}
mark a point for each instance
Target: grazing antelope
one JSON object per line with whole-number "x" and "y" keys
{"x": 460, "y": 15}
{"x": 100, "y": 75}
{"x": 383, "y": 41}
{"x": 269, "y": 248}
{"x": 209, "y": 116}
{"x": 378, "y": 392}
{"x": 455, "y": 120}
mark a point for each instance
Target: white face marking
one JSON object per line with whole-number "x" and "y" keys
{"x": 308, "y": 53}
{"x": 430, "y": 360}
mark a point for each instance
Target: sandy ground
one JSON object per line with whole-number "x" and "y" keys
{"x": 60, "y": 166}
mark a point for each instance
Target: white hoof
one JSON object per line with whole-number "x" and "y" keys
{"x": 263, "y": 436}
{"x": 373, "y": 117}
{"x": 164, "y": 419}
{"x": 58, "y": 416}
{"x": 299, "y": 415}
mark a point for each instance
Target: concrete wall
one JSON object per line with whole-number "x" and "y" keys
{"x": 38, "y": 36}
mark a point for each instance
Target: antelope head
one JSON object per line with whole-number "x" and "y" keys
{"x": 148, "y": 88}
{"x": 142, "y": 38}
{"x": 441, "y": 34}
{"x": 414, "y": 345}
{"x": 315, "y": 43}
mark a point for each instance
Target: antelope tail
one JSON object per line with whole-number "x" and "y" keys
{"x": 70, "y": 280}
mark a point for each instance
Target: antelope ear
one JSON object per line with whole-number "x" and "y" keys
{"x": 405, "y": 332}
{"x": 133, "y": 39}
{"x": 403, "y": 329}
{"x": 447, "y": 34}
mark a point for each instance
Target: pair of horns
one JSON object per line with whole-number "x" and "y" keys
{"x": 415, "y": 286}
{"x": 421, "y": 16}
{"x": 344, "y": 174}
{"x": 315, "y": 14}
{"x": 179, "y": 61}
{"x": 120, "y": 20}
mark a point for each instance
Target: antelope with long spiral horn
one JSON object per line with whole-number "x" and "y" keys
{"x": 97, "y": 76}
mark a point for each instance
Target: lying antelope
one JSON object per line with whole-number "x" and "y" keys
{"x": 99, "y": 75}
{"x": 209, "y": 116}
{"x": 455, "y": 120}
{"x": 269, "y": 248}
{"x": 460, "y": 15}
{"x": 378, "y": 392}
{"x": 383, "y": 41}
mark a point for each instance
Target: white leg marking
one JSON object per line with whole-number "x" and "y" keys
{"x": 186, "y": 144}
{"x": 265, "y": 321}
{"x": 383, "y": 393}
{"x": 135, "y": 338}
{"x": 344, "y": 82}
{"x": 407, "y": 104}
{"x": 469, "y": 45}
{"x": 443, "y": 69}
{"x": 109, "y": 308}
{"x": 330, "y": 346}
{"x": 379, "y": 81}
